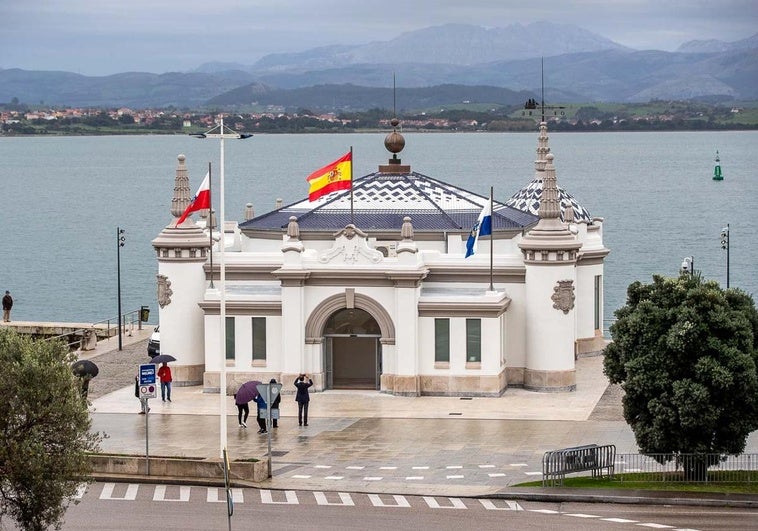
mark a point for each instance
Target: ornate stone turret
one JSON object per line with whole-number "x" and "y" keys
{"x": 550, "y": 256}
{"x": 182, "y": 252}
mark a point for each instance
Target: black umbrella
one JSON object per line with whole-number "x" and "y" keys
{"x": 85, "y": 369}
{"x": 162, "y": 358}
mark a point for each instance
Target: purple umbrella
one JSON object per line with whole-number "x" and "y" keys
{"x": 246, "y": 392}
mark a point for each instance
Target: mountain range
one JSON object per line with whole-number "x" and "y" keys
{"x": 470, "y": 62}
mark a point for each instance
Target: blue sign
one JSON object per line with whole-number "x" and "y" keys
{"x": 147, "y": 374}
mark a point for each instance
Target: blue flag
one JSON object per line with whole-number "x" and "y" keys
{"x": 482, "y": 227}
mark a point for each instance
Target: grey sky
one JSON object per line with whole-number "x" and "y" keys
{"x": 100, "y": 37}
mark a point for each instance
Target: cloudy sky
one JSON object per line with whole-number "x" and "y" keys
{"x": 100, "y": 37}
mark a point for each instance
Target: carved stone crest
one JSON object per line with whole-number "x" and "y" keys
{"x": 164, "y": 291}
{"x": 563, "y": 295}
{"x": 351, "y": 248}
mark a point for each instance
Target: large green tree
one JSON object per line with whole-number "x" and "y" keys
{"x": 45, "y": 431}
{"x": 685, "y": 352}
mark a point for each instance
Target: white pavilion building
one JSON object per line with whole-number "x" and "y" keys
{"x": 380, "y": 296}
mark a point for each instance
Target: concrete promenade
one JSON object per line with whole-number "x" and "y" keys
{"x": 359, "y": 441}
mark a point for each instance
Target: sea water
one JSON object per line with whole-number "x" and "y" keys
{"x": 63, "y": 199}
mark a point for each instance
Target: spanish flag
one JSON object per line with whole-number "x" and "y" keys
{"x": 335, "y": 176}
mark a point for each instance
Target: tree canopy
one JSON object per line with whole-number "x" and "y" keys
{"x": 45, "y": 426}
{"x": 685, "y": 352}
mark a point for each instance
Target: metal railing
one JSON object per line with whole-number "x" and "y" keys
{"x": 75, "y": 338}
{"x": 701, "y": 468}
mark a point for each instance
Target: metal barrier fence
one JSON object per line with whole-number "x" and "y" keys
{"x": 556, "y": 464}
{"x": 702, "y": 468}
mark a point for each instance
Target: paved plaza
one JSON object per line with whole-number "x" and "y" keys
{"x": 369, "y": 441}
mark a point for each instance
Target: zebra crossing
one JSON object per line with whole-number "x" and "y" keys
{"x": 179, "y": 494}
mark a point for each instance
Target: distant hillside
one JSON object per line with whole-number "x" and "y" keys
{"x": 580, "y": 66}
{"x": 131, "y": 89}
{"x": 349, "y": 97}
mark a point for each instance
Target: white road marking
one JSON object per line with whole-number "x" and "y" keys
{"x": 580, "y": 515}
{"x": 355, "y": 467}
{"x": 533, "y": 473}
{"x": 656, "y": 526}
{"x": 290, "y": 495}
{"x": 453, "y": 466}
{"x": 345, "y": 499}
{"x": 301, "y": 476}
{"x": 160, "y": 494}
{"x": 486, "y": 466}
{"x": 400, "y": 501}
{"x": 456, "y": 503}
{"x": 619, "y": 520}
{"x": 496, "y": 475}
{"x": 413, "y": 478}
{"x": 373, "y": 478}
{"x": 420, "y": 468}
{"x": 130, "y": 495}
{"x": 510, "y": 506}
{"x": 544, "y": 511}
{"x": 519, "y": 464}
{"x": 387, "y": 468}
{"x": 322, "y": 466}
{"x": 455, "y": 477}
{"x": 213, "y": 495}
{"x": 334, "y": 477}
{"x": 80, "y": 490}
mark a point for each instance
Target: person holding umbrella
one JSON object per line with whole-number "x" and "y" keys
{"x": 242, "y": 409}
{"x": 164, "y": 373}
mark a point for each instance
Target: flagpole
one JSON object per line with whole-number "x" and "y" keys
{"x": 210, "y": 220}
{"x": 492, "y": 235}
{"x": 352, "y": 216}
{"x": 222, "y": 309}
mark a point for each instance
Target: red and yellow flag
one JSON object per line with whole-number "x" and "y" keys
{"x": 332, "y": 177}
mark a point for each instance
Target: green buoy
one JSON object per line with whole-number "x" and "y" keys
{"x": 717, "y": 169}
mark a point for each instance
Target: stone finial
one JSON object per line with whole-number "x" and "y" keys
{"x": 406, "y": 232}
{"x": 293, "y": 229}
{"x": 212, "y": 221}
{"x": 550, "y": 207}
{"x": 249, "y": 212}
{"x": 542, "y": 150}
{"x": 182, "y": 193}
{"x": 568, "y": 214}
{"x": 279, "y": 203}
{"x": 406, "y": 246}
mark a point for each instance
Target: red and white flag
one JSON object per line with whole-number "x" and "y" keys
{"x": 201, "y": 200}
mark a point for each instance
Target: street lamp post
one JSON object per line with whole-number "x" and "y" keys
{"x": 221, "y": 133}
{"x": 120, "y": 240}
{"x": 725, "y": 246}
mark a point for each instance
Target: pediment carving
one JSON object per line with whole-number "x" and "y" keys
{"x": 350, "y": 247}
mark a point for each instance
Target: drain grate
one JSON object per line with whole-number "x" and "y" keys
{"x": 467, "y": 398}
{"x": 279, "y": 453}
{"x": 455, "y": 413}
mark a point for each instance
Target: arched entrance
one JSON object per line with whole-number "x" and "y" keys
{"x": 352, "y": 350}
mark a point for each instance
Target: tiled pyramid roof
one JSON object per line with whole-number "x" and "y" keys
{"x": 382, "y": 200}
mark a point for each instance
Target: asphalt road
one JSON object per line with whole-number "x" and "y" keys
{"x": 108, "y": 506}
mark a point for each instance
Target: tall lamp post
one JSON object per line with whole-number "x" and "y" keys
{"x": 725, "y": 246}
{"x": 221, "y": 133}
{"x": 120, "y": 240}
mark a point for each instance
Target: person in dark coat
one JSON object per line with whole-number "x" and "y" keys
{"x": 302, "y": 398}
{"x": 275, "y": 407}
{"x": 260, "y": 415}
{"x": 7, "y": 305}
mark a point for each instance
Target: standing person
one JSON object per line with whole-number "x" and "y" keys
{"x": 7, "y": 305}
{"x": 142, "y": 401}
{"x": 260, "y": 413}
{"x": 275, "y": 407}
{"x": 242, "y": 408}
{"x": 164, "y": 373}
{"x": 302, "y": 398}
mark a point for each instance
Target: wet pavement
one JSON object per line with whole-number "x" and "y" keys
{"x": 364, "y": 441}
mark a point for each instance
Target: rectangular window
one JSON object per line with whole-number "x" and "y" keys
{"x": 230, "y": 338}
{"x": 473, "y": 340}
{"x": 442, "y": 340}
{"x": 259, "y": 339}
{"x": 598, "y": 301}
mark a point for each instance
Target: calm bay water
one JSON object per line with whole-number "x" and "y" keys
{"x": 63, "y": 199}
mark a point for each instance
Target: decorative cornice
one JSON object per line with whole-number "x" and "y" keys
{"x": 267, "y": 308}
{"x": 479, "y": 307}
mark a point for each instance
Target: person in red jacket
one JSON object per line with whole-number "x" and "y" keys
{"x": 164, "y": 373}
